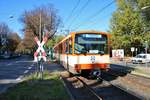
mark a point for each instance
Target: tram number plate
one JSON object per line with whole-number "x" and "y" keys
{"x": 93, "y": 59}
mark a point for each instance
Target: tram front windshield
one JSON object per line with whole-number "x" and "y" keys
{"x": 90, "y": 44}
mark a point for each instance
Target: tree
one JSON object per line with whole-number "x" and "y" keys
{"x": 4, "y": 31}
{"x": 37, "y": 22}
{"x": 20, "y": 48}
{"x": 126, "y": 26}
{"x": 54, "y": 40}
{"x": 13, "y": 41}
{"x": 28, "y": 41}
{"x": 41, "y": 19}
{"x": 143, "y": 6}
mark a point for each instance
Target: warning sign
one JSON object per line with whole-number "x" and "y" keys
{"x": 118, "y": 53}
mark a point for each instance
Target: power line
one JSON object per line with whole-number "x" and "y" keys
{"x": 72, "y": 11}
{"x": 102, "y": 9}
{"x": 92, "y": 23}
{"x": 94, "y": 15}
{"x": 81, "y": 10}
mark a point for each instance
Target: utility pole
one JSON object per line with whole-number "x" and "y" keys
{"x": 40, "y": 60}
{"x": 40, "y": 33}
{"x": 146, "y": 47}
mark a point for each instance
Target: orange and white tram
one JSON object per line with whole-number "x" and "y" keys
{"x": 84, "y": 51}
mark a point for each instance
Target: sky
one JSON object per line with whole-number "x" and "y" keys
{"x": 87, "y": 14}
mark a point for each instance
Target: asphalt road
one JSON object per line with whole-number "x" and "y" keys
{"x": 13, "y": 70}
{"x": 130, "y": 64}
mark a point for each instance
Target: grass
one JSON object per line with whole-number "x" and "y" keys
{"x": 50, "y": 88}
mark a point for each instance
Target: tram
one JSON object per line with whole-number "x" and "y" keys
{"x": 84, "y": 51}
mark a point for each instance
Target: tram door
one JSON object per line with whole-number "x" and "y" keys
{"x": 66, "y": 56}
{"x": 68, "y": 53}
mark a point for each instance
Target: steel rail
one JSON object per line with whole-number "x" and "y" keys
{"x": 89, "y": 88}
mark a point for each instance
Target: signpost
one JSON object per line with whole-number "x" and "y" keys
{"x": 118, "y": 54}
{"x": 40, "y": 54}
{"x": 136, "y": 49}
{"x": 132, "y": 50}
{"x": 40, "y": 50}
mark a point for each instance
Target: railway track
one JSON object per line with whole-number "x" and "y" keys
{"x": 107, "y": 91}
{"x": 78, "y": 89}
{"x": 114, "y": 92}
{"x": 134, "y": 84}
{"x": 89, "y": 89}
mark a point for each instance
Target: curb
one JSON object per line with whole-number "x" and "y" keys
{"x": 141, "y": 74}
{"x": 133, "y": 72}
{"x": 67, "y": 89}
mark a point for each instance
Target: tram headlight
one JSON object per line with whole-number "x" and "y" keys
{"x": 77, "y": 67}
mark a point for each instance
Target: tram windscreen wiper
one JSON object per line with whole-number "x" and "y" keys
{"x": 101, "y": 52}
{"x": 84, "y": 51}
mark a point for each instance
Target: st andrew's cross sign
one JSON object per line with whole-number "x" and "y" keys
{"x": 40, "y": 52}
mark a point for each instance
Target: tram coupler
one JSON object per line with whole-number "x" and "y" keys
{"x": 96, "y": 73}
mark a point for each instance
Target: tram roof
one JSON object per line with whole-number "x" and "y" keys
{"x": 80, "y": 32}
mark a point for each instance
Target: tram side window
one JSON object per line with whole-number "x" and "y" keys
{"x": 60, "y": 48}
{"x": 70, "y": 46}
{"x": 106, "y": 48}
{"x": 66, "y": 46}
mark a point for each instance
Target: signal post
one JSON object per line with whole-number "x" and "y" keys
{"x": 40, "y": 54}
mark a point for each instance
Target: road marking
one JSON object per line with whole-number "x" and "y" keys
{"x": 29, "y": 67}
{"x": 23, "y": 61}
{"x": 8, "y": 81}
{"x": 9, "y": 64}
{"x": 26, "y": 71}
{"x": 32, "y": 65}
{"x": 19, "y": 78}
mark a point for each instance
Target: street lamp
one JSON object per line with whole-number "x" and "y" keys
{"x": 146, "y": 46}
{"x": 11, "y": 16}
{"x": 145, "y": 8}
{"x": 146, "y": 17}
{"x": 145, "y": 12}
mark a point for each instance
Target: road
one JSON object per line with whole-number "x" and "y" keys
{"x": 13, "y": 70}
{"x": 124, "y": 63}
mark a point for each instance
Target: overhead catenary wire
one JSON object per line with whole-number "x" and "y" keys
{"x": 77, "y": 15}
{"x": 89, "y": 24}
{"x": 72, "y": 11}
{"x": 70, "y": 15}
{"x": 94, "y": 15}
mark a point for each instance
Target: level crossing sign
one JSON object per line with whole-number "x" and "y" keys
{"x": 40, "y": 52}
